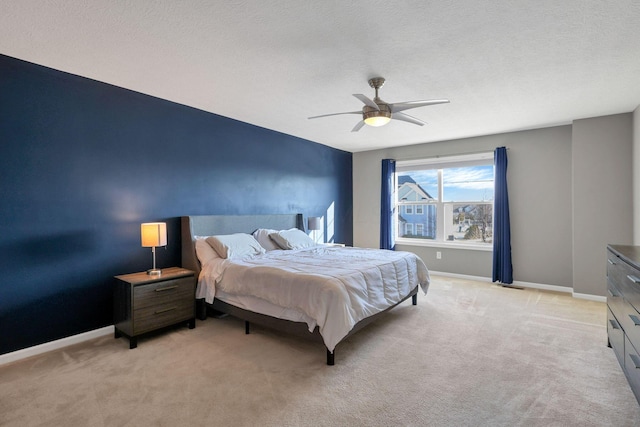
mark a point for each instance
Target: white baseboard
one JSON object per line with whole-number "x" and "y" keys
{"x": 54, "y": 345}
{"x": 554, "y": 288}
{"x": 590, "y": 297}
{"x": 542, "y": 286}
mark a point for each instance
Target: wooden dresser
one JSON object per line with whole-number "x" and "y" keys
{"x": 143, "y": 303}
{"x": 623, "y": 310}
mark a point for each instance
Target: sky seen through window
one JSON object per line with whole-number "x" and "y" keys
{"x": 462, "y": 184}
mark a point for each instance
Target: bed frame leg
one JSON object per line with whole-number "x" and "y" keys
{"x": 201, "y": 309}
{"x": 330, "y": 358}
{"x": 246, "y": 327}
{"x": 414, "y": 299}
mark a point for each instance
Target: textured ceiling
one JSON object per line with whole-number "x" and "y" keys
{"x": 505, "y": 65}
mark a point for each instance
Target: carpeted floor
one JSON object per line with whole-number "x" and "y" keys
{"x": 469, "y": 354}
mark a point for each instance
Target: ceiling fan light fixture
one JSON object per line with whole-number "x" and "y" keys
{"x": 376, "y": 118}
{"x": 377, "y": 121}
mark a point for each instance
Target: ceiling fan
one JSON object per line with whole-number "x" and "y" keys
{"x": 376, "y": 112}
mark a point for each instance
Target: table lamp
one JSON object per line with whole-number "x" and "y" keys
{"x": 153, "y": 234}
{"x": 314, "y": 223}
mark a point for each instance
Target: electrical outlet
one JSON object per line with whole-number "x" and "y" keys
{"x": 438, "y": 255}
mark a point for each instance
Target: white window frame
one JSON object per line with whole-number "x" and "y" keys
{"x": 440, "y": 163}
{"x": 419, "y": 209}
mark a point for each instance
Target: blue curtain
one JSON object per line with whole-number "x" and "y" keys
{"x": 386, "y": 205}
{"x": 502, "y": 268}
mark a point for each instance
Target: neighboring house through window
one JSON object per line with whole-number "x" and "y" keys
{"x": 412, "y": 198}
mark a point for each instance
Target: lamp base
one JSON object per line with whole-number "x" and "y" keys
{"x": 154, "y": 272}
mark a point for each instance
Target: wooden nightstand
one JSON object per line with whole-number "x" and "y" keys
{"x": 143, "y": 303}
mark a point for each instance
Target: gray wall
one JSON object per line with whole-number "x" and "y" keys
{"x": 540, "y": 191}
{"x": 602, "y": 196}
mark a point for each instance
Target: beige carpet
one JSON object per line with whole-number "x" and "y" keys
{"x": 469, "y": 354}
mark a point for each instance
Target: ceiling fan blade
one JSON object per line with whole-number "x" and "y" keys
{"x": 366, "y": 101}
{"x": 407, "y": 118}
{"x": 358, "y": 126}
{"x": 335, "y": 114}
{"x": 401, "y": 106}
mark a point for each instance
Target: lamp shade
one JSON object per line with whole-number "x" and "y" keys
{"x": 314, "y": 222}
{"x": 153, "y": 234}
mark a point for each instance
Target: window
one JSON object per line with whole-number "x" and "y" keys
{"x": 447, "y": 199}
{"x": 408, "y": 229}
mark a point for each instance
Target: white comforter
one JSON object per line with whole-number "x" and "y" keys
{"x": 336, "y": 287}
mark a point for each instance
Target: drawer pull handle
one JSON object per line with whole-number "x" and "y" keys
{"x": 614, "y": 324}
{"x": 634, "y": 279}
{"x": 168, "y": 288}
{"x": 635, "y": 319}
{"x": 611, "y": 293}
{"x": 611, "y": 262}
{"x": 635, "y": 359}
{"x": 164, "y": 310}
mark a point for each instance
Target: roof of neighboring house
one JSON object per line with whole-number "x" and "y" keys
{"x": 407, "y": 180}
{"x": 402, "y": 179}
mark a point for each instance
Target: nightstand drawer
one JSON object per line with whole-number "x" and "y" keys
{"x": 158, "y": 316}
{"x": 163, "y": 292}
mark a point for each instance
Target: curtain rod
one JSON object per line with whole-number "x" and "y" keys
{"x": 446, "y": 155}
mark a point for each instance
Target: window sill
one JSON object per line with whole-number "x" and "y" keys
{"x": 448, "y": 245}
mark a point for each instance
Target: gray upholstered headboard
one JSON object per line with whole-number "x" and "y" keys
{"x": 209, "y": 225}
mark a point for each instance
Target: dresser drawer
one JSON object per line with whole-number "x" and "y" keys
{"x": 629, "y": 319}
{"x": 625, "y": 278}
{"x": 615, "y": 301}
{"x": 155, "y": 294}
{"x": 632, "y": 367}
{"x": 616, "y": 337}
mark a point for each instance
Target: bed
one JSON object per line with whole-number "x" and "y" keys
{"x": 321, "y": 292}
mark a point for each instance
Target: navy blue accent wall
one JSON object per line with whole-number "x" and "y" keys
{"x": 83, "y": 163}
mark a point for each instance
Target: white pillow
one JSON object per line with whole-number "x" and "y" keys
{"x": 204, "y": 251}
{"x": 292, "y": 239}
{"x": 262, "y": 236}
{"x": 235, "y": 245}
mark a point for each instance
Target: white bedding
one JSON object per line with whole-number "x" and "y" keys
{"x": 333, "y": 287}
